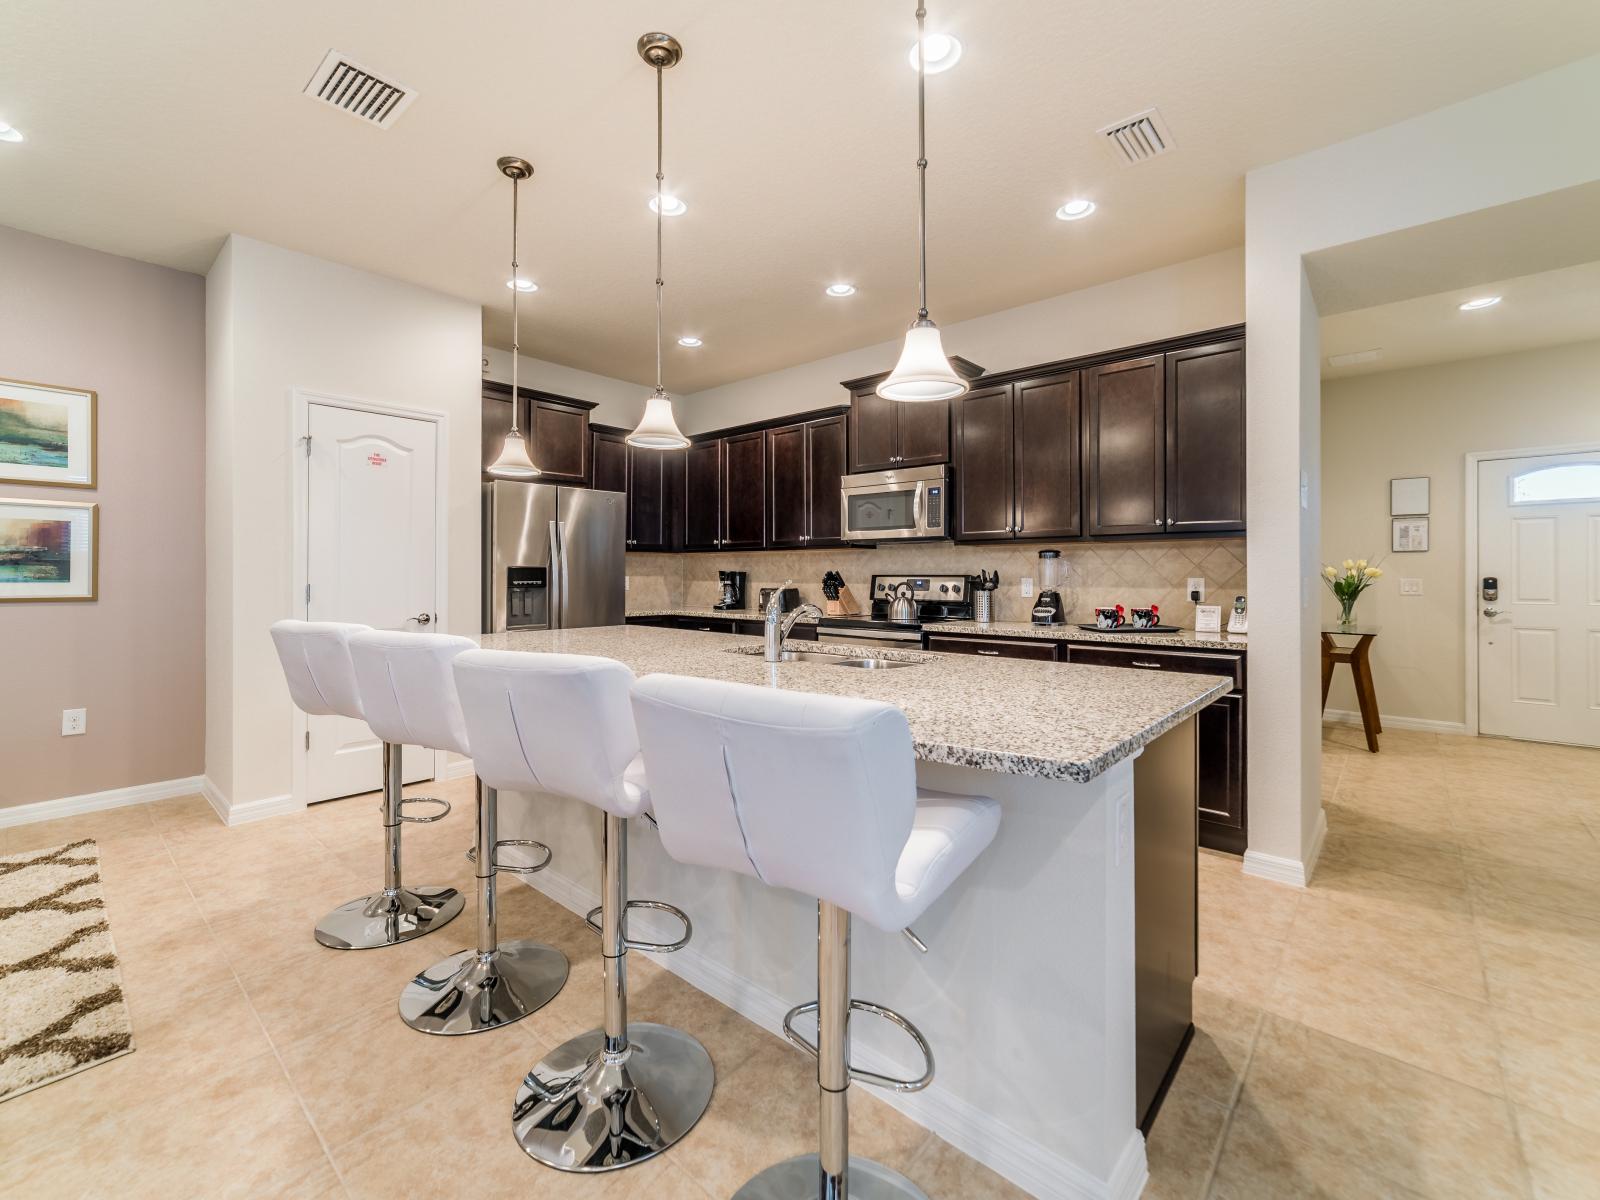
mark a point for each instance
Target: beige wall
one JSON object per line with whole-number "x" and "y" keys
{"x": 1133, "y": 574}
{"x": 1424, "y": 421}
{"x": 1204, "y": 293}
{"x": 136, "y": 335}
{"x": 279, "y": 320}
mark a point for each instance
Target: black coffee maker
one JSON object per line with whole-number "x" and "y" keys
{"x": 732, "y": 590}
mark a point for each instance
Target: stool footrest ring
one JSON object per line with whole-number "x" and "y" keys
{"x": 653, "y": 947}
{"x": 472, "y": 856}
{"x": 407, "y": 801}
{"x": 872, "y": 1077}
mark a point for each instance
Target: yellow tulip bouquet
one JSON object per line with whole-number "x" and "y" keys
{"x": 1347, "y": 583}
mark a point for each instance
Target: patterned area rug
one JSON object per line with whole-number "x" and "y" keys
{"x": 61, "y": 1006}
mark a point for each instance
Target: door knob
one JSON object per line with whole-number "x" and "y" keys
{"x": 1491, "y": 612}
{"x": 422, "y": 618}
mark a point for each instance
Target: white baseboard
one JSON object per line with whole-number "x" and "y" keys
{"x": 461, "y": 768}
{"x": 69, "y": 806}
{"x": 1293, "y": 871}
{"x": 1340, "y": 716}
{"x": 244, "y": 812}
{"x": 1029, "y": 1164}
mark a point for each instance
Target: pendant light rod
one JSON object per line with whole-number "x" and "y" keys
{"x": 922, "y": 167}
{"x": 660, "y": 282}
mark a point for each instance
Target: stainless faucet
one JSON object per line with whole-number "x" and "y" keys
{"x": 778, "y": 623}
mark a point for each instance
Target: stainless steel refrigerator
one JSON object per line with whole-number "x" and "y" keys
{"x": 552, "y": 556}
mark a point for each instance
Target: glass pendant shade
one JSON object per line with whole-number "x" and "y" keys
{"x": 657, "y": 429}
{"x": 513, "y": 461}
{"x": 923, "y": 372}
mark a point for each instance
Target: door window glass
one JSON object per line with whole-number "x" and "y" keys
{"x": 1548, "y": 485}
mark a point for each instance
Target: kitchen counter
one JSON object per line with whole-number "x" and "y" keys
{"x": 1187, "y": 639}
{"x": 1045, "y": 720}
{"x": 712, "y": 614}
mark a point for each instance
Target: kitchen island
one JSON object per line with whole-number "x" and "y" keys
{"x": 1053, "y": 1012}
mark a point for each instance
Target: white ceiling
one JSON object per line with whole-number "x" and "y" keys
{"x": 156, "y": 128}
{"x": 1551, "y": 308}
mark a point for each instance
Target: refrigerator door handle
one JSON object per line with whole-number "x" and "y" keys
{"x": 558, "y": 574}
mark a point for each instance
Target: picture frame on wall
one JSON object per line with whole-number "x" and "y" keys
{"x": 48, "y": 435}
{"x": 49, "y": 550}
{"x": 1409, "y": 497}
{"x": 1409, "y": 535}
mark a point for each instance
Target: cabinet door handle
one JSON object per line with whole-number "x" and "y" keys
{"x": 990, "y": 653}
{"x": 1159, "y": 522}
{"x": 1137, "y": 663}
{"x": 1169, "y": 520}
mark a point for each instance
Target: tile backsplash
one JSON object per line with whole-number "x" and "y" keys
{"x": 1133, "y": 574}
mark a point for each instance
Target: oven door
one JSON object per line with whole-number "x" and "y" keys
{"x": 885, "y": 505}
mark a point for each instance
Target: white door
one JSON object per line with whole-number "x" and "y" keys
{"x": 1539, "y": 642}
{"x": 371, "y": 512}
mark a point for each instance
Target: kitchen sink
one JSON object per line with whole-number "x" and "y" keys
{"x": 822, "y": 658}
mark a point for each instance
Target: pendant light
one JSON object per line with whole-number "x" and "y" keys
{"x": 513, "y": 461}
{"x": 657, "y": 429}
{"x": 923, "y": 372}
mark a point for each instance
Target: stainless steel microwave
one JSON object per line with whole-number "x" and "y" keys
{"x": 909, "y": 503}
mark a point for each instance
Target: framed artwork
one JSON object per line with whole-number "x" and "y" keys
{"x": 47, "y": 435}
{"x": 49, "y": 550}
{"x": 1409, "y": 535}
{"x": 1408, "y": 497}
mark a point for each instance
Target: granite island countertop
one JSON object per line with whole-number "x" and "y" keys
{"x": 1046, "y": 720}
{"x": 1186, "y": 639}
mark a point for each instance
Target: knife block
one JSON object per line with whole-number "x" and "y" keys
{"x": 845, "y": 606}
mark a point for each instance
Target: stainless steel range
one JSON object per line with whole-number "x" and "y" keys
{"x": 934, "y": 598}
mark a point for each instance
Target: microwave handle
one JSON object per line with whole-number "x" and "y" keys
{"x": 917, "y": 506}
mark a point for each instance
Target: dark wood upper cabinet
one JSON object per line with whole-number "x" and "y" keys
{"x": 825, "y": 463}
{"x": 649, "y": 526}
{"x": 557, "y": 428}
{"x": 804, "y": 463}
{"x": 873, "y": 432}
{"x": 1205, "y": 439}
{"x": 702, "y": 496}
{"x": 1126, "y": 446}
{"x": 1048, "y": 420}
{"x": 984, "y": 447}
{"x": 744, "y": 491}
{"x": 787, "y": 511}
{"x": 924, "y": 433}
{"x": 608, "y": 461}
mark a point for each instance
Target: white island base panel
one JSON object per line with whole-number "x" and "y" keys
{"x": 1026, "y": 993}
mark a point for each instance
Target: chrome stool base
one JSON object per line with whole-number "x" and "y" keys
{"x": 389, "y": 918}
{"x": 469, "y": 992}
{"x": 576, "y": 1111}
{"x": 798, "y": 1179}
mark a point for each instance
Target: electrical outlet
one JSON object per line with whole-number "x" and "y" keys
{"x": 1196, "y": 585}
{"x": 1027, "y": 586}
{"x": 74, "y": 721}
{"x": 1411, "y": 587}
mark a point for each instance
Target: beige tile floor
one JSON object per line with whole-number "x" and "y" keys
{"x": 1424, "y": 1020}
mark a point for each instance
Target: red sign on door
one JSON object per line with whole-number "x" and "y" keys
{"x": 376, "y": 459}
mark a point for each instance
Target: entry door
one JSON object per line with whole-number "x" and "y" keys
{"x": 1539, "y": 642}
{"x": 371, "y": 510}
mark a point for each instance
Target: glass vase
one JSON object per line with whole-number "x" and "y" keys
{"x": 1347, "y": 610}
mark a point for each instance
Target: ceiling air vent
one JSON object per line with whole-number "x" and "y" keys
{"x": 1140, "y": 137}
{"x": 352, "y": 88}
{"x": 1355, "y": 357}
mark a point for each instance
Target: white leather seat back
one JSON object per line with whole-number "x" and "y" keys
{"x": 407, "y": 689}
{"x": 814, "y": 793}
{"x": 316, "y": 663}
{"x": 552, "y": 723}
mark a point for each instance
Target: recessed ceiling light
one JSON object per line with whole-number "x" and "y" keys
{"x": 1480, "y": 302}
{"x": 1075, "y": 210}
{"x": 8, "y": 134}
{"x": 671, "y": 206}
{"x": 690, "y": 342}
{"x": 944, "y": 52}
{"x": 841, "y": 289}
{"x": 522, "y": 285}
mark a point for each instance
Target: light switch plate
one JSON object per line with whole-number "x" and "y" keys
{"x": 1196, "y": 584}
{"x": 1411, "y": 587}
{"x": 1027, "y": 586}
{"x": 74, "y": 721}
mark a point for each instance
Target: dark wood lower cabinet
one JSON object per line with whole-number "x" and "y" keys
{"x": 1038, "y": 650}
{"x": 1222, "y": 774}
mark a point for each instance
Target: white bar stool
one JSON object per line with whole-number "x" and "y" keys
{"x": 409, "y": 694}
{"x": 561, "y": 724}
{"x": 322, "y": 682}
{"x": 818, "y": 794}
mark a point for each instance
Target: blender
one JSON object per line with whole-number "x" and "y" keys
{"x": 1048, "y": 609}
